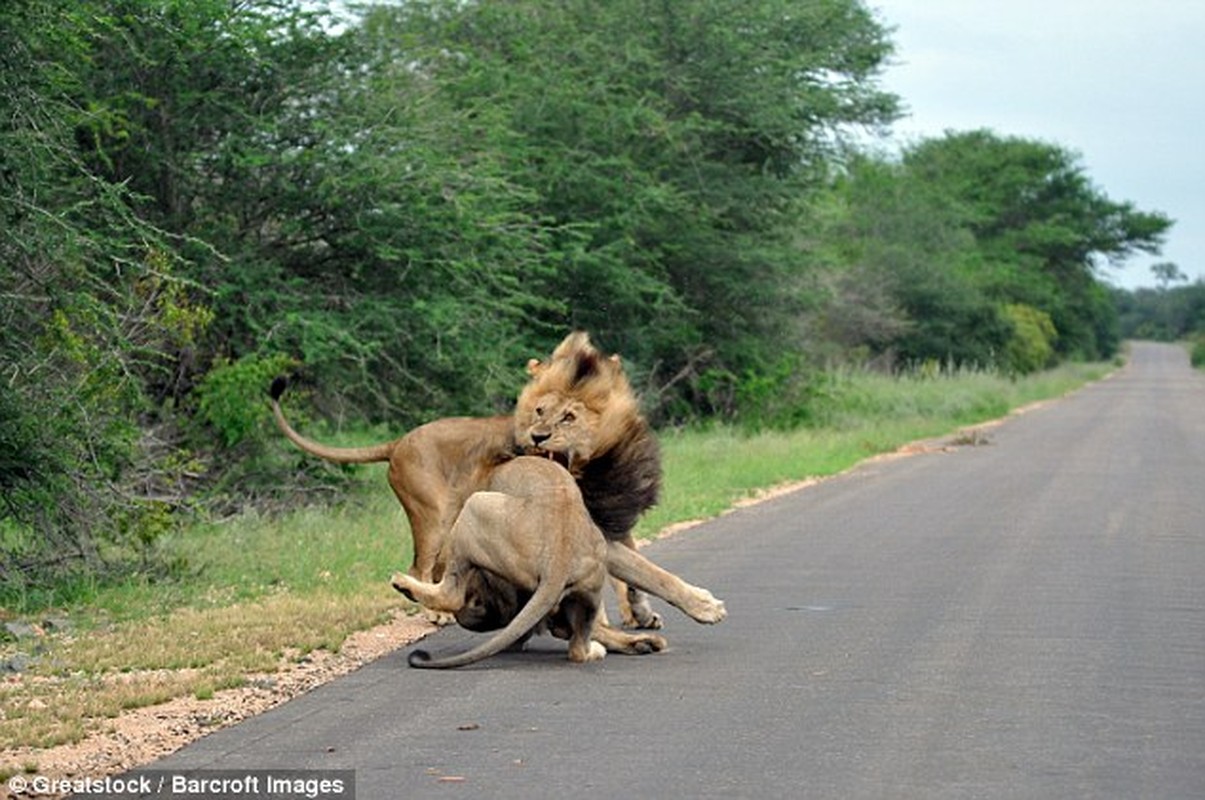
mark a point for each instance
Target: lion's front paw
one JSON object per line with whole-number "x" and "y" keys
{"x": 645, "y": 619}
{"x": 708, "y": 608}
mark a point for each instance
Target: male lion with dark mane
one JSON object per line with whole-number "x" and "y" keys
{"x": 577, "y": 408}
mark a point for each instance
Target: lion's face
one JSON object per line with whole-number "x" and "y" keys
{"x": 558, "y": 426}
{"x": 577, "y": 405}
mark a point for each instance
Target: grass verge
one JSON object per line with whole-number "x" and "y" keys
{"x": 258, "y": 592}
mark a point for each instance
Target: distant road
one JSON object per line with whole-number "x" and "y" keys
{"x": 1020, "y": 619}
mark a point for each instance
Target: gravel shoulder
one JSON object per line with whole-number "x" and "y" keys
{"x": 143, "y": 735}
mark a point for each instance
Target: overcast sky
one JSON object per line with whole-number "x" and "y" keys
{"x": 1119, "y": 82}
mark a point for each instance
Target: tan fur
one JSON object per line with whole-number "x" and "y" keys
{"x": 530, "y": 528}
{"x": 577, "y": 407}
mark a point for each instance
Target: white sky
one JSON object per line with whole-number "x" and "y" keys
{"x": 1121, "y": 83}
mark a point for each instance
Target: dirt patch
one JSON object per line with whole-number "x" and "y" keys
{"x": 141, "y": 736}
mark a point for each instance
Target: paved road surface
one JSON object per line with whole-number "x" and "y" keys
{"x": 1023, "y": 619}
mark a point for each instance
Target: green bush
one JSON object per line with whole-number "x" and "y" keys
{"x": 231, "y": 396}
{"x": 1031, "y": 346}
{"x": 1197, "y": 353}
{"x": 241, "y": 459}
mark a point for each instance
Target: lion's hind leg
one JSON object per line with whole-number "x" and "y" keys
{"x": 447, "y": 596}
{"x": 469, "y": 546}
{"x": 612, "y": 639}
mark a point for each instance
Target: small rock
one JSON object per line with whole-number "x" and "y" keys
{"x": 22, "y": 630}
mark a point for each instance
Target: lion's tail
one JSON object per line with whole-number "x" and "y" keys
{"x": 338, "y": 455}
{"x": 541, "y": 604}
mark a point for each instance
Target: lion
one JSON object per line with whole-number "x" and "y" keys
{"x": 528, "y": 528}
{"x": 579, "y": 408}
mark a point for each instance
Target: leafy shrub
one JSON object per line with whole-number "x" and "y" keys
{"x": 231, "y": 396}
{"x": 1031, "y": 346}
{"x": 1197, "y": 354}
{"x": 247, "y": 463}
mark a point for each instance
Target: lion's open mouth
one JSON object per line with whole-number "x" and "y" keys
{"x": 564, "y": 459}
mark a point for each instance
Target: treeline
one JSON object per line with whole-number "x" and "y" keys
{"x": 1167, "y": 313}
{"x": 404, "y": 207}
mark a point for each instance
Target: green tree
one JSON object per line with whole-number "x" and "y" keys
{"x": 332, "y": 206}
{"x": 1042, "y": 227}
{"x": 1165, "y": 314}
{"x": 671, "y": 144}
{"x": 901, "y": 274}
{"x": 378, "y": 239}
{"x": 90, "y": 298}
{"x": 1167, "y": 273}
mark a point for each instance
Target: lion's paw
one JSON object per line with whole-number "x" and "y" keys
{"x": 641, "y": 615}
{"x": 592, "y": 651}
{"x": 709, "y": 609}
{"x": 401, "y": 582}
{"x": 440, "y": 618}
{"x": 646, "y": 643}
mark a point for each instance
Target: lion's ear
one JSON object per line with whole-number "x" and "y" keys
{"x": 587, "y": 365}
{"x": 615, "y": 359}
{"x": 534, "y": 367}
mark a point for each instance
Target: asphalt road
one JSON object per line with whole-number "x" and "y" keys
{"x": 1020, "y": 619}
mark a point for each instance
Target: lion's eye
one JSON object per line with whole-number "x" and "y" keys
{"x": 539, "y": 411}
{"x": 569, "y": 417}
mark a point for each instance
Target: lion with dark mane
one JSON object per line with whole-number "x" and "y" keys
{"x": 578, "y": 409}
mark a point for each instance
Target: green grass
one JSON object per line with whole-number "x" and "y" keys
{"x": 252, "y": 592}
{"x": 334, "y": 551}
